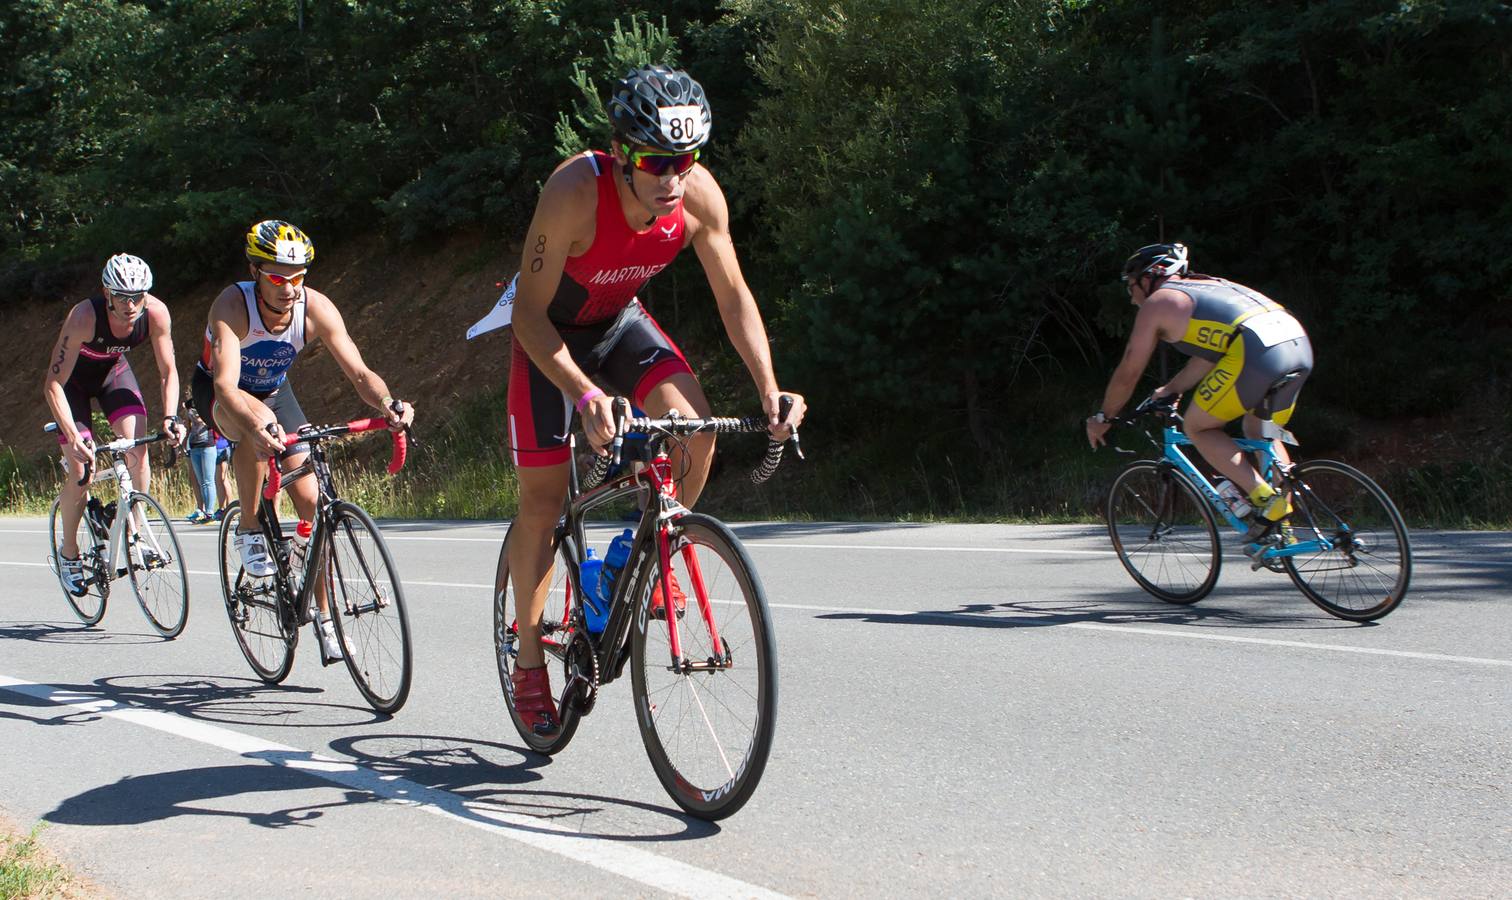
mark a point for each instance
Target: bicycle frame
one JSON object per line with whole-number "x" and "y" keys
{"x": 317, "y": 466}
{"x": 116, "y": 537}
{"x": 1173, "y": 440}
{"x": 654, "y": 481}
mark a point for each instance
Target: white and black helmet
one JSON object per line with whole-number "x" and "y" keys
{"x": 660, "y": 107}
{"x": 126, "y": 274}
{"x": 1159, "y": 260}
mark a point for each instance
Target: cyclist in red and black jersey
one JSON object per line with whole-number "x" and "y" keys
{"x": 89, "y": 363}
{"x": 606, "y": 223}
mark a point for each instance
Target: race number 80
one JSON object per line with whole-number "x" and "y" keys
{"x": 683, "y": 124}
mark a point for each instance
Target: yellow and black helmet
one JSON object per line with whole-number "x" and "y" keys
{"x": 276, "y": 241}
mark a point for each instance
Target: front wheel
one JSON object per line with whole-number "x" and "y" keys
{"x": 556, "y": 631}
{"x": 1164, "y": 532}
{"x": 156, "y": 565}
{"x": 367, "y": 604}
{"x": 1365, "y": 575}
{"x": 90, "y": 606}
{"x": 708, "y": 718}
{"x": 264, "y": 630}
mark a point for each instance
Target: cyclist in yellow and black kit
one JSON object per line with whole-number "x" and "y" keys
{"x": 1249, "y": 357}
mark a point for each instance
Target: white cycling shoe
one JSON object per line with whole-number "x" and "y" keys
{"x": 71, "y": 573}
{"x": 254, "y": 555}
{"x": 331, "y": 649}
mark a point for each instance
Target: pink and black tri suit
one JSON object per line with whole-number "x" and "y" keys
{"x": 609, "y": 335}
{"x": 101, "y": 372}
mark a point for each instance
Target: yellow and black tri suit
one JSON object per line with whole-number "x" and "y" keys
{"x": 1254, "y": 342}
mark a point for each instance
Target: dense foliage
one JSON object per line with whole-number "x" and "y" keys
{"x": 931, "y": 196}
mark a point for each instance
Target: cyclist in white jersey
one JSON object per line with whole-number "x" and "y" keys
{"x": 255, "y": 331}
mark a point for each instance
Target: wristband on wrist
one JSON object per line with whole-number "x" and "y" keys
{"x": 591, "y": 394}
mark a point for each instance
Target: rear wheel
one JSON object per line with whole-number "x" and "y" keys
{"x": 264, "y": 631}
{"x": 1365, "y": 575}
{"x": 1164, "y": 532}
{"x": 90, "y": 606}
{"x": 708, "y": 728}
{"x": 156, "y": 564}
{"x": 367, "y": 604}
{"x": 556, "y": 635}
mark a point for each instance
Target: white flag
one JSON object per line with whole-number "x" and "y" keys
{"x": 499, "y": 316}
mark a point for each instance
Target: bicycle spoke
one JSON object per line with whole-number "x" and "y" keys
{"x": 708, "y": 730}
{"x": 367, "y": 602}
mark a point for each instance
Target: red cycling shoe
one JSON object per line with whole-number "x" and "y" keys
{"x": 533, "y": 701}
{"x": 679, "y": 599}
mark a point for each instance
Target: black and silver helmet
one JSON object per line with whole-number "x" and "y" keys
{"x": 1159, "y": 260}
{"x": 660, "y": 107}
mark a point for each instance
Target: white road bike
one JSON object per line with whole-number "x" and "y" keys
{"x": 140, "y": 545}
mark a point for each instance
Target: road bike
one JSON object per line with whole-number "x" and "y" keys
{"x": 1344, "y": 544}
{"x": 141, "y": 545}
{"x": 704, "y": 679}
{"x": 346, "y": 561}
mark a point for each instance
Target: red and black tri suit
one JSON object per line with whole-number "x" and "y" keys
{"x": 609, "y": 335}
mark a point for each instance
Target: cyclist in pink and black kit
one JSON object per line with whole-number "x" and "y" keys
{"x": 89, "y": 363}
{"x": 604, "y": 225}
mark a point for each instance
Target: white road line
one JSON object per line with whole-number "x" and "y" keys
{"x": 614, "y": 857}
{"x": 1090, "y": 626}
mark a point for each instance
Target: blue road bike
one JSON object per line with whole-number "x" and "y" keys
{"x": 1343, "y": 545}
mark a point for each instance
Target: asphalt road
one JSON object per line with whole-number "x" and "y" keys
{"x": 965, "y": 711}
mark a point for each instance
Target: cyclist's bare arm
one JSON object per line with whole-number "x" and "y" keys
{"x": 563, "y": 224}
{"x": 233, "y": 407}
{"x": 77, "y": 328}
{"x": 1152, "y": 323}
{"x": 323, "y": 320}
{"x": 160, "y": 333}
{"x": 708, "y": 222}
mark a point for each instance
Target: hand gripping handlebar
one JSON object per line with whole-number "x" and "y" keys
{"x": 396, "y": 460}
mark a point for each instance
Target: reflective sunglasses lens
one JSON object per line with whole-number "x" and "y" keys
{"x": 130, "y": 298}
{"x": 659, "y": 164}
{"x": 278, "y": 280}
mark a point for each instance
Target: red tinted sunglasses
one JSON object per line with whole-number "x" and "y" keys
{"x": 278, "y": 280}
{"x": 654, "y": 162}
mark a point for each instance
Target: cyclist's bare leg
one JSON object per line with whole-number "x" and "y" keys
{"x": 542, "y": 491}
{"x": 71, "y": 507}
{"x": 1207, "y": 434}
{"x": 133, "y": 427}
{"x": 683, "y": 393}
{"x": 1254, "y": 429}
{"x": 248, "y": 469}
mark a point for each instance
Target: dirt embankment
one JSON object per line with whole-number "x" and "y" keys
{"x": 407, "y": 311}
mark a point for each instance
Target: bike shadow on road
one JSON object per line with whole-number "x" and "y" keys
{"x": 1110, "y": 608}
{"x": 74, "y": 634}
{"x": 473, "y": 771}
{"x": 472, "y": 780}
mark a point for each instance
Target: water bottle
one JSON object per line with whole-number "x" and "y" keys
{"x": 595, "y": 610}
{"x": 1238, "y": 504}
{"x": 298, "y": 544}
{"x": 614, "y": 563}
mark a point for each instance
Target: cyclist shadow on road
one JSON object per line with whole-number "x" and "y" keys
{"x": 1100, "y": 608}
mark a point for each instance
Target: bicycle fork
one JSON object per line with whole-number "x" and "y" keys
{"x": 680, "y": 663}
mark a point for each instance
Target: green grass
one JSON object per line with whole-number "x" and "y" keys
{"x": 23, "y": 873}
